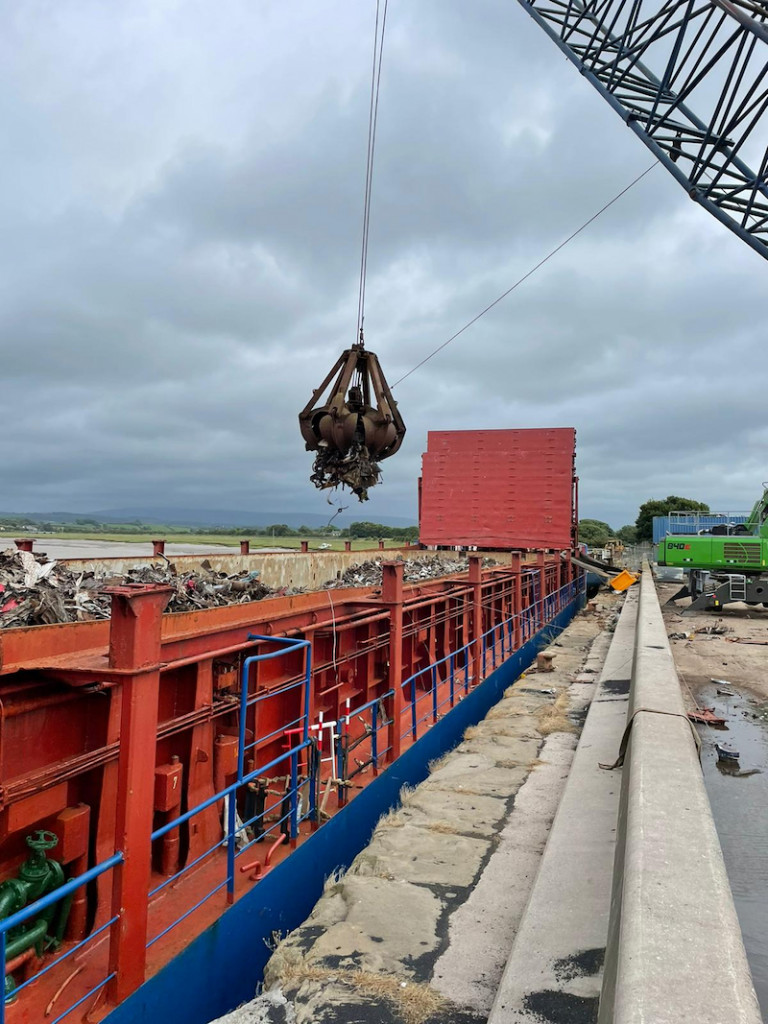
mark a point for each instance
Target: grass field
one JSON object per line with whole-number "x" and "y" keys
{"x": 228, "y": 540}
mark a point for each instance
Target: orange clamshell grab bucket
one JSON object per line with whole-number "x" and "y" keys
{"x": 623, "y": 581}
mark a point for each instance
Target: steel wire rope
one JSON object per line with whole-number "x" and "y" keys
{"x": 528, "y": 274}
{"x": 373, "y": 115}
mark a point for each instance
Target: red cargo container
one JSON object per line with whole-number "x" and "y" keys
{"x": 499, "y": 489}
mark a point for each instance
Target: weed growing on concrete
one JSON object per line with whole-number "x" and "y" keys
{"x": 406, "y": 794}
{"x": 391, "y": 819}
{"x": 444, "y": 827}
{"x": 507, "y": 711}
{"x": 332, "y": 881}
{"x": 515, "y": 732}
{"x": 438, "y": 762}
{"x": 415, "y": 1002}
{"x": 554, "y": 718}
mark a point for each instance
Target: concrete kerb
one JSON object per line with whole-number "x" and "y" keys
{"x": 675, "y": 951}
{"x": 554, "y": 969}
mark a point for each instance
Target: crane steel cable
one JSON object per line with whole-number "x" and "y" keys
{"x": 373, "y": 113}
{"x": 529, "y": 273}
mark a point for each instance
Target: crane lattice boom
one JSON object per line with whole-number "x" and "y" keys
{"x": 690, "y": 78}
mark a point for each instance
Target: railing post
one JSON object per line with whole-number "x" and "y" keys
{"x": 342, "y": 793}
{"x": 135, "y": 638}
{"x": 375, "y": 738}
{"x": 231, "y": 844}
{"x": 2, "y": 961}
{"x": 392, "y": 596}
{"x": 541, "y": 566}
{"x": 476, "y": 579}
{"x": 517, "y": 599}
{"x": 245, "y": 547}
{"x": 294, "y": 798}
{"x": 158, "y": 548}
{"x": 304, "y": 546}
{"x": 313, "y": 783}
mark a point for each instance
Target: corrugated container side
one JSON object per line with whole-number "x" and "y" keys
{"x": 498, "y": 488}
{"x": 682, "y": 525}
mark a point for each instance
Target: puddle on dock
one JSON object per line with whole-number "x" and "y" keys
{"x": 739, "y": 798}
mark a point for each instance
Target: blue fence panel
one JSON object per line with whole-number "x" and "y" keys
{"x": 689, "y": 525}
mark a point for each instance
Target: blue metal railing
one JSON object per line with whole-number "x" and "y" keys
{"x": 532, "y": 618}
{"x": 38, "y": 907}
{"x": 377, "y": 753}
{"x": 432, "y": 692}
{"x": 235, "y": 831}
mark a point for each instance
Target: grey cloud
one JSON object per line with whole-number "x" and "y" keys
{"x": 181, "y": 216}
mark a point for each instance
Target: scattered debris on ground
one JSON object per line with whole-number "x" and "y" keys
{"x": 717, "y": 649}
{"x": 35, "y": 590}
{"x": 430, "y": 567}
{"x": 715, "y": 629}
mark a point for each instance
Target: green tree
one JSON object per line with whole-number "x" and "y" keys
{"x": 627, "y": 534}
{"x": 279, "y": 530}
{"x": 366, "y": 530}
{"x": 662, "y": 507}
{"x": 377, "y": 531}
{"x": 594, "y": 532}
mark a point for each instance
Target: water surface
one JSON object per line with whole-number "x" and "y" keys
{"x": 739, "y": 799}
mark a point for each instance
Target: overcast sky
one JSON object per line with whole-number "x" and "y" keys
{"x": 181, "y": 207}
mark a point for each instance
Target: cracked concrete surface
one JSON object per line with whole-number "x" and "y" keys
{"x": 419, "y": 929}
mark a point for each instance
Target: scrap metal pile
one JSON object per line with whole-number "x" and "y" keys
{"x": 35, "y": 591}
{"x": 430, "y": 567}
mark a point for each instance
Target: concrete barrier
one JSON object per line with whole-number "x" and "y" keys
{"x": 675, "y": 951}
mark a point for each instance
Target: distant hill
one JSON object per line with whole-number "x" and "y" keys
{"x": 205, "y": 517}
